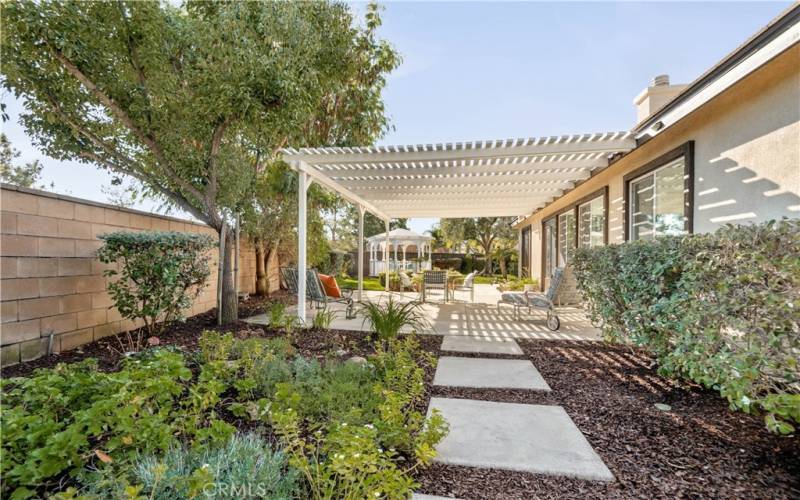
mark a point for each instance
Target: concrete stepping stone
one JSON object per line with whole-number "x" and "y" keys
{"x": 486, "y": 373}
{"x": 519, "y": 437}
{"x": 483, "y": 345}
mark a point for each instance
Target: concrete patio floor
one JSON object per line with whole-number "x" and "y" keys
{"x": 480, "y": 318}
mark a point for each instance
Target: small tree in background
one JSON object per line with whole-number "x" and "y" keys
{"x": 483, "y": 232}
{"x": 160, "y": 274}
{"x": 27, "y": 175}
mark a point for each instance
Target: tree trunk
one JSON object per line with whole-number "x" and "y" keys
{"x": 230, "y": 302}
{"x": 262, "y": 287}
{"x": 271, "y": 259}
{"x": 502, "y": 262}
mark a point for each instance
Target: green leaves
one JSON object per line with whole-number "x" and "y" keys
{"x": 386, "y": 320}
{"x": 160, "y": 274}
{"x": 720, "y": 309}
{"x": 60, "y": 419}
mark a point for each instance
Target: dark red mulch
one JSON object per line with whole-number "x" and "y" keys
{"x": 699, "y": 449}
{"x": 185, "y": 334}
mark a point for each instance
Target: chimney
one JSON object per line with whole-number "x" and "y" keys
{"x": 651, "y": 99}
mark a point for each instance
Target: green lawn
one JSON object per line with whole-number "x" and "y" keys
{"x": 370, "y": 283}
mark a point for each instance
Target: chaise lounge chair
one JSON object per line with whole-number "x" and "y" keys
{"x": 533, "y": 300}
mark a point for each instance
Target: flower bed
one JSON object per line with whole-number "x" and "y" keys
{"x": 166, "y": 422}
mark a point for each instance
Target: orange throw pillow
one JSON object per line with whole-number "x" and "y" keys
{"x": 330, "y": 285}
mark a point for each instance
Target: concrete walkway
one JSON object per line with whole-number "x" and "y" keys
{"x": 519, "y": 437}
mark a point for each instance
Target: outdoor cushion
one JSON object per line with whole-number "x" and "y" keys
{"x": 538, "y": 300}
{"x": 514, "y": 298}
{"x": 330, "y": 285}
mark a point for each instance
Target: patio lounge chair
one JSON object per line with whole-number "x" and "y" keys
{"x": 533, "y": 300}
{"x": 468, "y": 285}
{"x": 434, "y": 280}
{"x": 405, "y": 281}
{"x": 315, "y": 292}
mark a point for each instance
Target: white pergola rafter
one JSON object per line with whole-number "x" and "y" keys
{"x": 487, "y": 178}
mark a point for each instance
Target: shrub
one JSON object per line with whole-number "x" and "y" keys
{"x": 386, "y": 320}
{"x": 160, "y": 274}
{"x": 394, "y": 280}
{"x": 345, "y": 459}
{"x": 449, "y": 263}
{"x": 353, "y": 431}
{"x": 60, "y": 419}
{"x": 243, "y": 467}
{"x": 719, "y": 309}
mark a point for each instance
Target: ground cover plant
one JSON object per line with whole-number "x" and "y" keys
{"x": 172, "y": 423}
{"x": 719, "y": 309}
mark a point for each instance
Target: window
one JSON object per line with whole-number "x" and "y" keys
{"x": 566, "y": 237}
{"x": 583, "y": 223}
{"x": 549, "y": 246}
{"x": 525, "y": 251}
{"x": 659, "y": 196}
{"x": 592, "y": 223}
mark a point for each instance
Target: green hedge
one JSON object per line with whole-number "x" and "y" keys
{"x": 719, "y": 309}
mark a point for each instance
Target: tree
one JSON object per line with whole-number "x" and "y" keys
{"x": 349, "y": 112}
{"x": 190, "y": 100}
{"x": 484, "y": 232}
{"x": 27, "y": 175}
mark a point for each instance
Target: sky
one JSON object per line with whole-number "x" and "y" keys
{"x": 491, "y": 70}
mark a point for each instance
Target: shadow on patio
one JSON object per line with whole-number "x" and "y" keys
{"x": 479, "y": 319}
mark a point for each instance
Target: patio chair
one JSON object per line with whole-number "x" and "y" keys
{"x": 533, "y": 300}
{"x": 434, "y": 280}
{"x": 405, "y": 282}
{"x": 315, "y": 291}
{"x": 468, "y": 285}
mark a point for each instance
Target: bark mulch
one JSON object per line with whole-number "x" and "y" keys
{"x": 698, "y": 449}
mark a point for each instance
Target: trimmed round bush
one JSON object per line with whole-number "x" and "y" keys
{"x": 720, "y": 309}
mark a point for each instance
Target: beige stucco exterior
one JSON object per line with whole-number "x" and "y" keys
{"x": 746, "y": 157}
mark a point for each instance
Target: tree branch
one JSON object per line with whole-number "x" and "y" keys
{"x": 141, "y": 176}
{"x": 123, "y": 117}
{"x": 213, "y": 154}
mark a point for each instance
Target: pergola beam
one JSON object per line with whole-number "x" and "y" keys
{"x": 346, "y": 193}
{"x": 457, "y": 181}
{"x": 609, "y": 142}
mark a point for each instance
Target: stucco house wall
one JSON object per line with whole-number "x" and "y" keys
{"x": 51, "y": 282}
{"x": 746, "y": 158}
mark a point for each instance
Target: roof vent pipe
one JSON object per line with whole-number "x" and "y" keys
{"x": 660, "y": 80}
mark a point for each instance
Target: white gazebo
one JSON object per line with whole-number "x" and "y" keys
{"x": 486, "y": 178}
{"x": 402, "y": 240}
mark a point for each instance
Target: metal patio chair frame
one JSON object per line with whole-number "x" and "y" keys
{"x": 532, "y": 300}
{"x": 315, "y": 292}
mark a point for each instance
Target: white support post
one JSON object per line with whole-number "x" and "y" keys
{"x": 395, "y": 256}
{"x": 386, "y": 256}
{"x": 360, "y": 253}
{"x": 302, "y": 191}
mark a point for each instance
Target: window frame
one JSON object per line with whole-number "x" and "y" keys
{"x": 590, "y": 199}
{"x": 603, "y": 191}
{"x": 525, "y": 250}
{"x": 685, "y": 150}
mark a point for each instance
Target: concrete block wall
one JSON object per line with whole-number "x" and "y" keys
{"x": 51, "y": 282}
